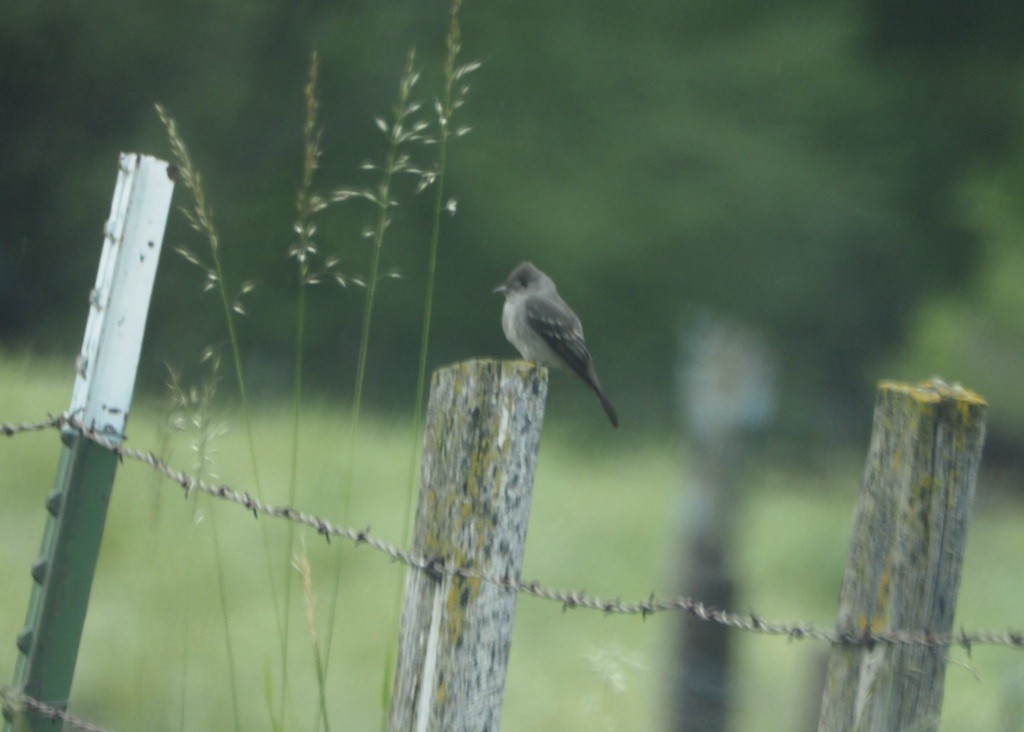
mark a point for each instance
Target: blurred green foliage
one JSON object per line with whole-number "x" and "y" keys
{"x": 796, "y": 166}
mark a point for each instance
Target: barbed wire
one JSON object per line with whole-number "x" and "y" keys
{"x": 9, "y": 430}
{"x": 15, "y": 703}
{"x": 569, "y": 599}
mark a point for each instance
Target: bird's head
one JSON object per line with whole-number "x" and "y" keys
{"x": 525, "y": 278}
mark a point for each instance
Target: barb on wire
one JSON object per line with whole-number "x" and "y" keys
{"x": 568, "y": 599}
{"x": 9, "y": 430}
{"x": 15, "y": 703}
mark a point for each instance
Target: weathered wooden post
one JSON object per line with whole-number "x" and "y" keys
{"x": 479, "y": 455}
{"x": 903, "y": 568}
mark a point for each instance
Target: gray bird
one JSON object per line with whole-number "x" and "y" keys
{"x": 543, "y": 328}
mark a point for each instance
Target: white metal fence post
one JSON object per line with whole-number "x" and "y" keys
{"x": 105, "y": 378}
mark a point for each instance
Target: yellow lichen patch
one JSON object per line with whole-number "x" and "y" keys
{"x": 874, "y": 626}
{"x": 882, "y": 599}
{"x": 970, "y": 409}
{"x": 935, "y": 390}
{"x": 923, "y": 487}
{"x": 462, "y": 592}
{"x": 451, "y": 605}
{"x": 877, "y": 624}
{"x": 884, "y": 585}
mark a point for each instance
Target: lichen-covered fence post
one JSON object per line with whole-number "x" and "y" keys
{"x": 77, "y": 506}
{"x": 903, "y": 567}
{"x": 479, "y": 454}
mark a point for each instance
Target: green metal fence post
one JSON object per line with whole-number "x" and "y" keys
{"x": 105, "y": 378}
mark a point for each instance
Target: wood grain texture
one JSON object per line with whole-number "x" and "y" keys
{"x": 906, "y": 552}
{"x": 479, "y": 456}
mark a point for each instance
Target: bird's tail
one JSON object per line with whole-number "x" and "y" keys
{"x": 595, "y": 384}
{"x": 608, "y": 408}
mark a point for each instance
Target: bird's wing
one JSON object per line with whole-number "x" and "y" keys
{"x": 561, "y": 330}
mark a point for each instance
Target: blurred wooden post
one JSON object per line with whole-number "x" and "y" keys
{"x": 479, "y": 454}
{"x": 726, "y": 390}
{"x": 903, "y": 568}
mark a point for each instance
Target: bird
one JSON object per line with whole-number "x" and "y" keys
{"x": 544, "y": 329}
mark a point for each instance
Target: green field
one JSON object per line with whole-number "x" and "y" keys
{"x": 604, "y": 520}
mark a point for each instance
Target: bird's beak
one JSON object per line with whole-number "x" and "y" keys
{"x": 500, "y": 290}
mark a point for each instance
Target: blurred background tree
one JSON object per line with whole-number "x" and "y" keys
{"x": 831, "y": 173}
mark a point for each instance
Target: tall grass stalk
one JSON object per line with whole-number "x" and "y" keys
{"x": 400, "y": 132}
{"x": 200, "y": 217}
{"x": 396, "y": 162}
{"x": 175, "y": 401}
{"x": 307, "y": 204}
{"x": 183, "y": 681}
{"x": 197, "y": 416}
{"x": 453, "y": 97}
{"x": 222, "y": 594}
{"x": 301, "y": 565}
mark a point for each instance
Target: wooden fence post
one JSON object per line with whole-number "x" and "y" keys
{"x": 726, "y": 392}
{"x": 77, "y": 507}
{"x": 479, "y": 454}
{"x": 903, "y": 568}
